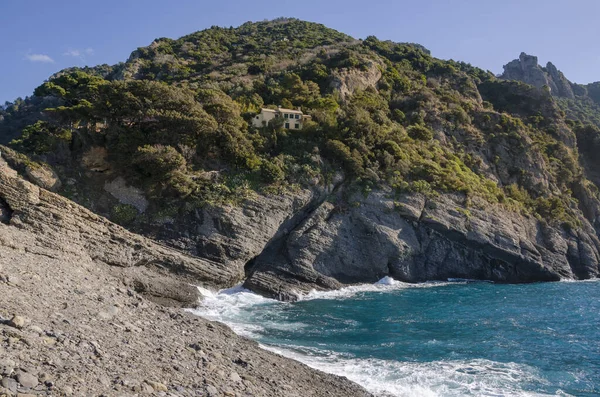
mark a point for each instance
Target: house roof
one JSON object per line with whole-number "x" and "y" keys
{"x": 282, "y": 110}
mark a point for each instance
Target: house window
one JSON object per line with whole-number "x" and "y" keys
{"x": 297, "y": 126}
{"x": 287, "y": 125}
{"x": 286, "y": 115}
{"x": 297, "y": 116}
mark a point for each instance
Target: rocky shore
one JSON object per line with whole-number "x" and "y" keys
{"x": 84, "y": 311}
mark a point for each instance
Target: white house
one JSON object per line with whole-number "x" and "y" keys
{"x": 292, "y": 119}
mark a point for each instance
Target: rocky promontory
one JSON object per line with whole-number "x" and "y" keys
{"x": 527, "y": 70}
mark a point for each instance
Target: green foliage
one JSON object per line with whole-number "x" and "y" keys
{"x": 157, "y": 161}
{"x": 179, "y": 111}
{"x": 350, "y": 159}
{"x": 41, "y": 138}
{"x": 420, "y": 132}
{"x": 123, "y": 214}
{"x": 271, "y": 172}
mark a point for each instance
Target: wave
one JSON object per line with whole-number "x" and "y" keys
{"x": 386, "y": 284}
{"x": 232, "y": 306}
{"x": 476, "y": 377}
{"x": 570, "y": 280}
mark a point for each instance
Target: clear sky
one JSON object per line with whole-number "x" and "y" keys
{"x": 41, "y": 37}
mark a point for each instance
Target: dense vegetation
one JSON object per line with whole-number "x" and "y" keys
{"x": 174, "y": 120}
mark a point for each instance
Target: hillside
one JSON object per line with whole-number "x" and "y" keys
{"x": 412, "y": 166}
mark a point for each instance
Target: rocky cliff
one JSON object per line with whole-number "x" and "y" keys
{"x": 81, "y": 313}
{"x": 412, "y": 238}
{"x": 527, "y": 70}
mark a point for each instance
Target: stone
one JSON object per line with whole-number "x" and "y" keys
{"x": 17, "y": 322}
{"x": 44, "y": 176}
{"x": 212, "y": 391}
{"x": 27, "y": 380}
{"x": 372, "y": 240}
{"x": 235, "y": 377}
{"x": 36, "y": 329}
{"x": 146, "y": 388}
{"x": 126, "y": 194}
{"x": 527, "y": 70}
{"x": 9, "y": 384}
{"x": 157, "y": 386}
{"x": 7, "y": 366}
{"x": 109, "y": 313}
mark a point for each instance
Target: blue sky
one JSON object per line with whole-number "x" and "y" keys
{"x": 41, "y": 37}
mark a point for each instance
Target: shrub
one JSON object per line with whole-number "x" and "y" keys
{"x": 157, "y": 161}
{"x": 270, "y": 172}
{"x": 398, "y": 116}
{"x": 420, "y": 132}
{"x": 123, "y": 214}
{"x": 351, "y": 160}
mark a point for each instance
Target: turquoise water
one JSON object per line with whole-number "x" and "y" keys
{"x": 435, "y": 339}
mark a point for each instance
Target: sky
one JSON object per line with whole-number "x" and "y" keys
{"x": 41, "y": 37}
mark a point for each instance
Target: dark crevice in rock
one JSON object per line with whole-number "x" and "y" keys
{"x": 249, "y": 266}
{"x": 5, "y": 212}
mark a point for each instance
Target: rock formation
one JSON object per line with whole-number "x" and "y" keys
{"x": 414, "y": 239}
{"x": 527, "y": 70}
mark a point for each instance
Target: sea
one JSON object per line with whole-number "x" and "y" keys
{"x": 453, "y": 338}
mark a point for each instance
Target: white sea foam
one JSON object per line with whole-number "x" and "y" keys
{"x": 386, "y": 284}
{"x": 570, "y": 280}
{"x": 231, "y": 306}
{"x": 428, "y": 379}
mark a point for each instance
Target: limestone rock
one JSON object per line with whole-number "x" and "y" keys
{"x": 7, "y": 366}
{"x": 71, "y": 228}
{"x": 127, "y": 194}
{"x": 527, "y": 70}
{"x": 157, "y": 386}
{"x": 17, "y": 322}
{"x": 44, "y": 177}
{"x": 9, "y": 384}
{"x": 27, "y": 380}
{"x": 419, "y": 242}
{"x": 346, "y": 82}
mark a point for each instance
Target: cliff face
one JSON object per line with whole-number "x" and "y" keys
{"x": 413, "y": 238}
{"x": 527, "y": 70}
